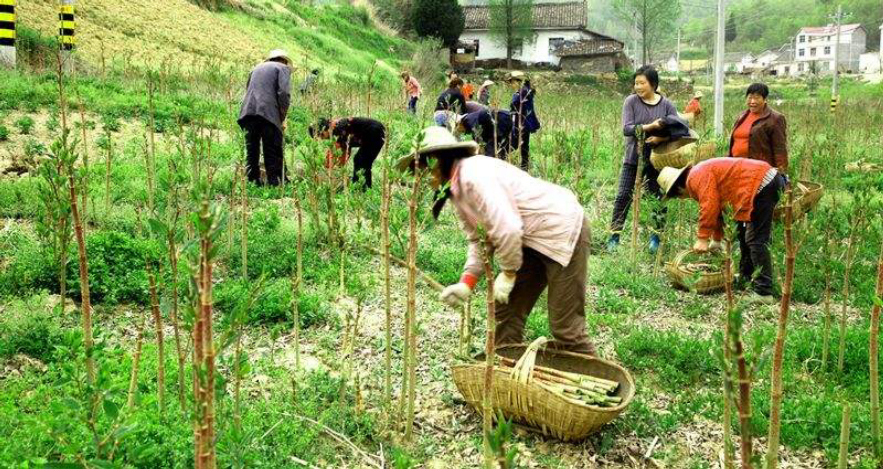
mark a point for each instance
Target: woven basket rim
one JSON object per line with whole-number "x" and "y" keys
{"x": 626, "y": 399}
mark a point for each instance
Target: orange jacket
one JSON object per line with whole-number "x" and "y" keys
{"x": 724, "y": 182}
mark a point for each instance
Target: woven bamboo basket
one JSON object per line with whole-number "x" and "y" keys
{"x": 806, "y": 196}
{"x": 537, "y": 408}
{"x": 697, "y": 278}
{"x": 678, "y": 156}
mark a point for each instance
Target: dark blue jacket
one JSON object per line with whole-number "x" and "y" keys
{"x": 522, "y": 109}
{"x": 481, "y": 123}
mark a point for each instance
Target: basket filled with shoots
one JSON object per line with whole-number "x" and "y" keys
{"x": 560, "y": 394}
{"x": 698, "y": 273}
{"x": 806, "y": 196}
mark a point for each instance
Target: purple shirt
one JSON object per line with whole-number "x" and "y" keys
{"x": 637, "y": 112}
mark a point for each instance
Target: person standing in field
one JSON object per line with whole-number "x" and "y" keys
{"x": 693, "y": 108}
{"x": 760, "y": 133}
{"x": 368, "y": 135}
{"x": 262, "y": 116}
{"x": 643, "y": 112}
{"x": 539, "y": 232}
{"x": 750, "y": 188}
{"x": 484, "y": 93}
{"x": 412, "y": 91}
{"x": 524, "y": 116}
{"x": 307, "y": 84}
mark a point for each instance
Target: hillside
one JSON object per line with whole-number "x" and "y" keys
{"x": 339, "y": 38}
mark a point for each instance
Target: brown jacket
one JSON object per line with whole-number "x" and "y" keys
{"x": 768, "y": 140}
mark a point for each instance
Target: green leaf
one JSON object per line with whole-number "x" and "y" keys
{"x": 61, "y": 465}
{"x": 111, "y": 409}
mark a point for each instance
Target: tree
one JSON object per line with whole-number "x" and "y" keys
{"x": 653, "y": 19}
{"x": 442, "y": 19}
{"x": 730, "y": 31}
{"x": 511, "y": 24}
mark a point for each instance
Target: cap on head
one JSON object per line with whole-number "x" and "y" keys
{"x": 276, "y": 54}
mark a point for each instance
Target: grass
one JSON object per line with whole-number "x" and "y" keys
{"x": 666, "y": 338}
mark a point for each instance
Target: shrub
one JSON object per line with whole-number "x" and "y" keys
{"x": 273, "y": 304}
{"x": 25, "y": 124}
{"x": 29, "y": 329}
{"x": 117, "y": 269}
{"x": 4, "y": 133}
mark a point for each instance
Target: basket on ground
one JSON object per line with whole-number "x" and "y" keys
{"x": 677, "y": 155}
{"x": 698, "y": 277}
{"x": 536, "y": 407}
{"x": 806, "y": 196}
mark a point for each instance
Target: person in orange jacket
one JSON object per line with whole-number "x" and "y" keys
{"x": 750, "y": 188}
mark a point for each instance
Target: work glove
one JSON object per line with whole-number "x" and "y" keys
{"x": 503, "y": 286}
{"x": 456, "y": 294}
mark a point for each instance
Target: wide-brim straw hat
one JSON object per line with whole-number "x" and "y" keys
{"x": 698, "y": 94}
{"x": 516, "y": 75}
{"x": 487, "y": 83}
{"x": 669, "y": 177}
{"x": 438, "y": 140}
{"x": 278, "y": 54}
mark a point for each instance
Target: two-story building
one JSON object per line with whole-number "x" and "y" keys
{"x": 814, "y": 48}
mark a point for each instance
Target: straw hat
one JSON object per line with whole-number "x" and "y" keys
{"x": 487, "y": 83}
{"x": 278, "y": 54}
{"x": 433, "y": 140}
{"x": 515, "y": 75}
{"x": 669, "y": 177}
{"x": 698, "y": 94}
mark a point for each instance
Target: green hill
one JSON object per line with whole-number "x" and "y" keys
{"x": 177, "y": 33}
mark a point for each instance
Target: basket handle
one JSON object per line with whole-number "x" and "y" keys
{"x": 523, "y": 369}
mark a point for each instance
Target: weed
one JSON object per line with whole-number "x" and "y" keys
{"x": 4, "y": 133}
{"x": 25, "y": 125}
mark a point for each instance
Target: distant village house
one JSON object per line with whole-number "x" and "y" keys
{"x": 562, "y": 39}
{"x": 814, "y": 48}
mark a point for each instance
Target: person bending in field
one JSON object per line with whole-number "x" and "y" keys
{"x": 491, "y": 129}
{"x": 760, "y": 133}
{"x": 750, "y": 188}
{"x": 262, "y": 116}
{"x": 538, "y": 230}
{"x": 367, "y": 134}
{"x": 450, "y": 100}
{"x": 645, "y": 113}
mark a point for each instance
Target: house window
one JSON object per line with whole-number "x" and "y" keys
{"x": 555, "y": 43}
{"x": 801, "y": 52}
{"x": 787, "y": 69}
{"x": 812, "y": 52}
{"x": 802, "y": 38}
{"x": 801, "y": 67}
{"x": 827, "y": 50}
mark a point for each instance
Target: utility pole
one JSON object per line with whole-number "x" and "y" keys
{"x": 678, "y": 54}
{"x": 66, "y": 31}
{"x": 719, "y": 70}
{"x": 835, "y": 91}
{"x": 637, "y": 54}
{"x": 7, "y": 33}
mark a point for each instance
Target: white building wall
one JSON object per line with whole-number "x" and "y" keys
{"x": 852, "y": 45}
{"x": 870, "y": 62}
{"x": 531, "y": 52}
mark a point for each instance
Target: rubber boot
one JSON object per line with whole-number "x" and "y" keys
{"x": 654, "y": 243}
{"x": 613, "y": 243}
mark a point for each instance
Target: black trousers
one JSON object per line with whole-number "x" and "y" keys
{"x": 363, "y": 160}
{"x": 623, "y": 201}
{"x": 521, "y": 141}
{"x": 498, "y": 149}
{"x": 260, "y": 131}
{"x": 754, "y": 239}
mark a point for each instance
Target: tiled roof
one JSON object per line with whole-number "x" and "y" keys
{"x": 736, "y": 56}
{"x": 830, "y": 29}
{"x": 571, "y": 15}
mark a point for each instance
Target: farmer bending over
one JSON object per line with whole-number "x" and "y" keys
{"x": 262, "y": 116}
{"x": 491, "y": 128}
{"x": 538, "y": 230}
{"x": 751, "y": 189}
{"x": 367, "y": 134}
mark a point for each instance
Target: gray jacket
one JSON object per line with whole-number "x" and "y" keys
{"x": 268, "y": 93}
{"x": 636, "y": 112}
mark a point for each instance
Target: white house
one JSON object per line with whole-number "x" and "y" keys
{"x": 767, "y": 58}
{"x": 872, "y": 62}
{"x": 814, "y": 48}
{"x": 555, "y": 23}
{"x": 738, "y": 62}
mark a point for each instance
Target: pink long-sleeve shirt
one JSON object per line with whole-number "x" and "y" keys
{"x": 516, "y": 210}
{"x": 412, "y": 88}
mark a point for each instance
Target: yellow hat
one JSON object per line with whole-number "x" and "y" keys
{"x": 669, "y": 177}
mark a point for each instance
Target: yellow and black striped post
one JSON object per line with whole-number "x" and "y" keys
{"x": 7, "y": 32}
{"x": 67, "y": 25}
{"x": 835, "y": 100}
